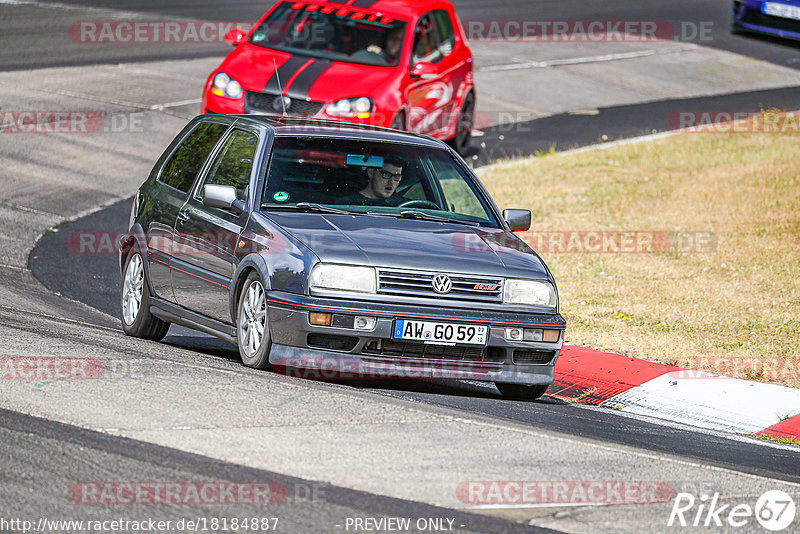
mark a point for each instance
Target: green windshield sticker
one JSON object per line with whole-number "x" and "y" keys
{"x": 281, "y": 196}
{"x": 259, "y": 37}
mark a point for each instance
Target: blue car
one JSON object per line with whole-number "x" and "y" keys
{"x": 780, "y": 17}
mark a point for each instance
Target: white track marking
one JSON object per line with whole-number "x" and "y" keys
{"x": 583, "y": 60}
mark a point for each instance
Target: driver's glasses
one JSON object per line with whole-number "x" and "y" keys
{"x": 386, "y": 175}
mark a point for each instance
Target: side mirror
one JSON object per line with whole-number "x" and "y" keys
{"x": 518, "y": 220}
{"x": 425, "y": 70}
{"x": 223, "y": 197}
{"x": 235, "y": 36}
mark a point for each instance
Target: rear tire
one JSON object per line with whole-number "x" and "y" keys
{"x": 252, "y": 324}
{"x": 137, "y": 321}
{"x": 521, "y": 391}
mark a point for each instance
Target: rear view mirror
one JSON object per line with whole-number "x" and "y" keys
{"x": 517, "y": 220}
{"x": 223, "y": 197}
{"x": 235, "y": 36}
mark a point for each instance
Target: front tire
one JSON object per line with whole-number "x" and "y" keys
{"x": 252, "y": 324}
{"x": 399, "y": 122}
{"x": 137, "y": 321}
{"x": 521, "y": 391}
{"x": 466, "y": 119}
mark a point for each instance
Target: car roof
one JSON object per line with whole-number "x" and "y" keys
{"x": 305, "y": 127}
{"x": 407, "y": 9}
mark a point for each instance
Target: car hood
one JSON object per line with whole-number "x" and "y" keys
{"x": 413, "y": 244}
{"x": 324, "y": 80}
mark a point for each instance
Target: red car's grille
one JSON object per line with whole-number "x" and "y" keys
{"x": 270, "y": 104}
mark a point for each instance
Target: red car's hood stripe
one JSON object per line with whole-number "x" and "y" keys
{"x": 302, "y": 84}
{"x": 284, "y": 73}
{"x": 296, "y": 76}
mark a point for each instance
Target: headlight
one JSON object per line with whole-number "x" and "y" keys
{"x": 343, "y": 278}
{"x": 359, "y": 108}
{"x": 224, "y": 85}
{"x": 533, "y": 292}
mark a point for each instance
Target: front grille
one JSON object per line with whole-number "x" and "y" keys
{"x": 528, "y": 357}
{"x": 263, "y": 103}
{"x": 397, "y": 349}
{"x": 420, "y": 284}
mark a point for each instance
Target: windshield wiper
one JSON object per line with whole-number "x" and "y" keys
{"x": 409, "y": 214}
{"x": 307, "y": 206}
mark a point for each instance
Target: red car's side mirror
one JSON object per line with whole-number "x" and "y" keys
{"x": 235, "y": 36}
{"x": 425, "y": 70}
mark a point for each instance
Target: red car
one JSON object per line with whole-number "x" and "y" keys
{"x": 404, "y": 64}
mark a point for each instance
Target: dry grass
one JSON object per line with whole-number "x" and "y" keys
{"x": 734, "y": 310}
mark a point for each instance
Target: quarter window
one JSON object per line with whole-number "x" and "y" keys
{"x": 234, "y": 163}
{"x": 186, "y": 162}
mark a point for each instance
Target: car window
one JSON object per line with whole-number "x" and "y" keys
{"x": 370, "y": 176}
{"x": 188, "y": 159}
{"x": 332, "y": 32}
{"x": 425, "y": 42}
{"x": 234, "y": 163}
{"x": 444, "y": 31}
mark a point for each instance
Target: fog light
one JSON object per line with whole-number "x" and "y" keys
{"x": 514, "y": 334}
{"x": 319, "y": 319}
{"x": 533, "y": 334}
{"x": 365, "y": 323}
{"x": 551, "y": 336}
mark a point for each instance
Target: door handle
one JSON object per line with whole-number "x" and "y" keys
{"x": 183, "y": 216}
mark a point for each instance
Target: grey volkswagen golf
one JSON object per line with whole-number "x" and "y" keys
{"x": 360, "y": 250}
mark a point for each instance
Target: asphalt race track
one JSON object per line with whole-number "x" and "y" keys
{"x": 185, "y": 409}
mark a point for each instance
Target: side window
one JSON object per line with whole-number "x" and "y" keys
{"x": 187, "y": 160}
{"x": 425, "y": 42}
{"x": 444, "y": 28}
{"x": 460, "y": 197}
{"x": 234, "y": 162}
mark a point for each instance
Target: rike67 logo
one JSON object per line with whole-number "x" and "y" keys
{"x": 774, "y": 511}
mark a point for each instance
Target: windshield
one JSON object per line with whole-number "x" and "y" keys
{"x": 313, "y": 173}
{"x": 332, "y": 32}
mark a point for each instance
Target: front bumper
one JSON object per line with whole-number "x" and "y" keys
{"x": 341, "y": 351}
{"x": 748, "y": 15}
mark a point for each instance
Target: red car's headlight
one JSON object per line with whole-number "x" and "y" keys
{"x": 224, "y": 85}
{"x": 359, "y": 108}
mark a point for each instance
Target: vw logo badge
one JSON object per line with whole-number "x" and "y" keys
{"x": 442, "y": 284}
{"x": 281, "y": 102}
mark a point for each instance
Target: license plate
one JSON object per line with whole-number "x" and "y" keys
{"x": 440, "y": 333}
{"x": 781, "y": 10}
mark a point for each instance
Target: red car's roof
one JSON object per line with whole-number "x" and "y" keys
{"x": 406, "y": 9}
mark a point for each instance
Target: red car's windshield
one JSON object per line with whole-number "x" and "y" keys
{"x": 333, "y": 33}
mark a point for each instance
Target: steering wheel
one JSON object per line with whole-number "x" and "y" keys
{"x": 419, "y": 204}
